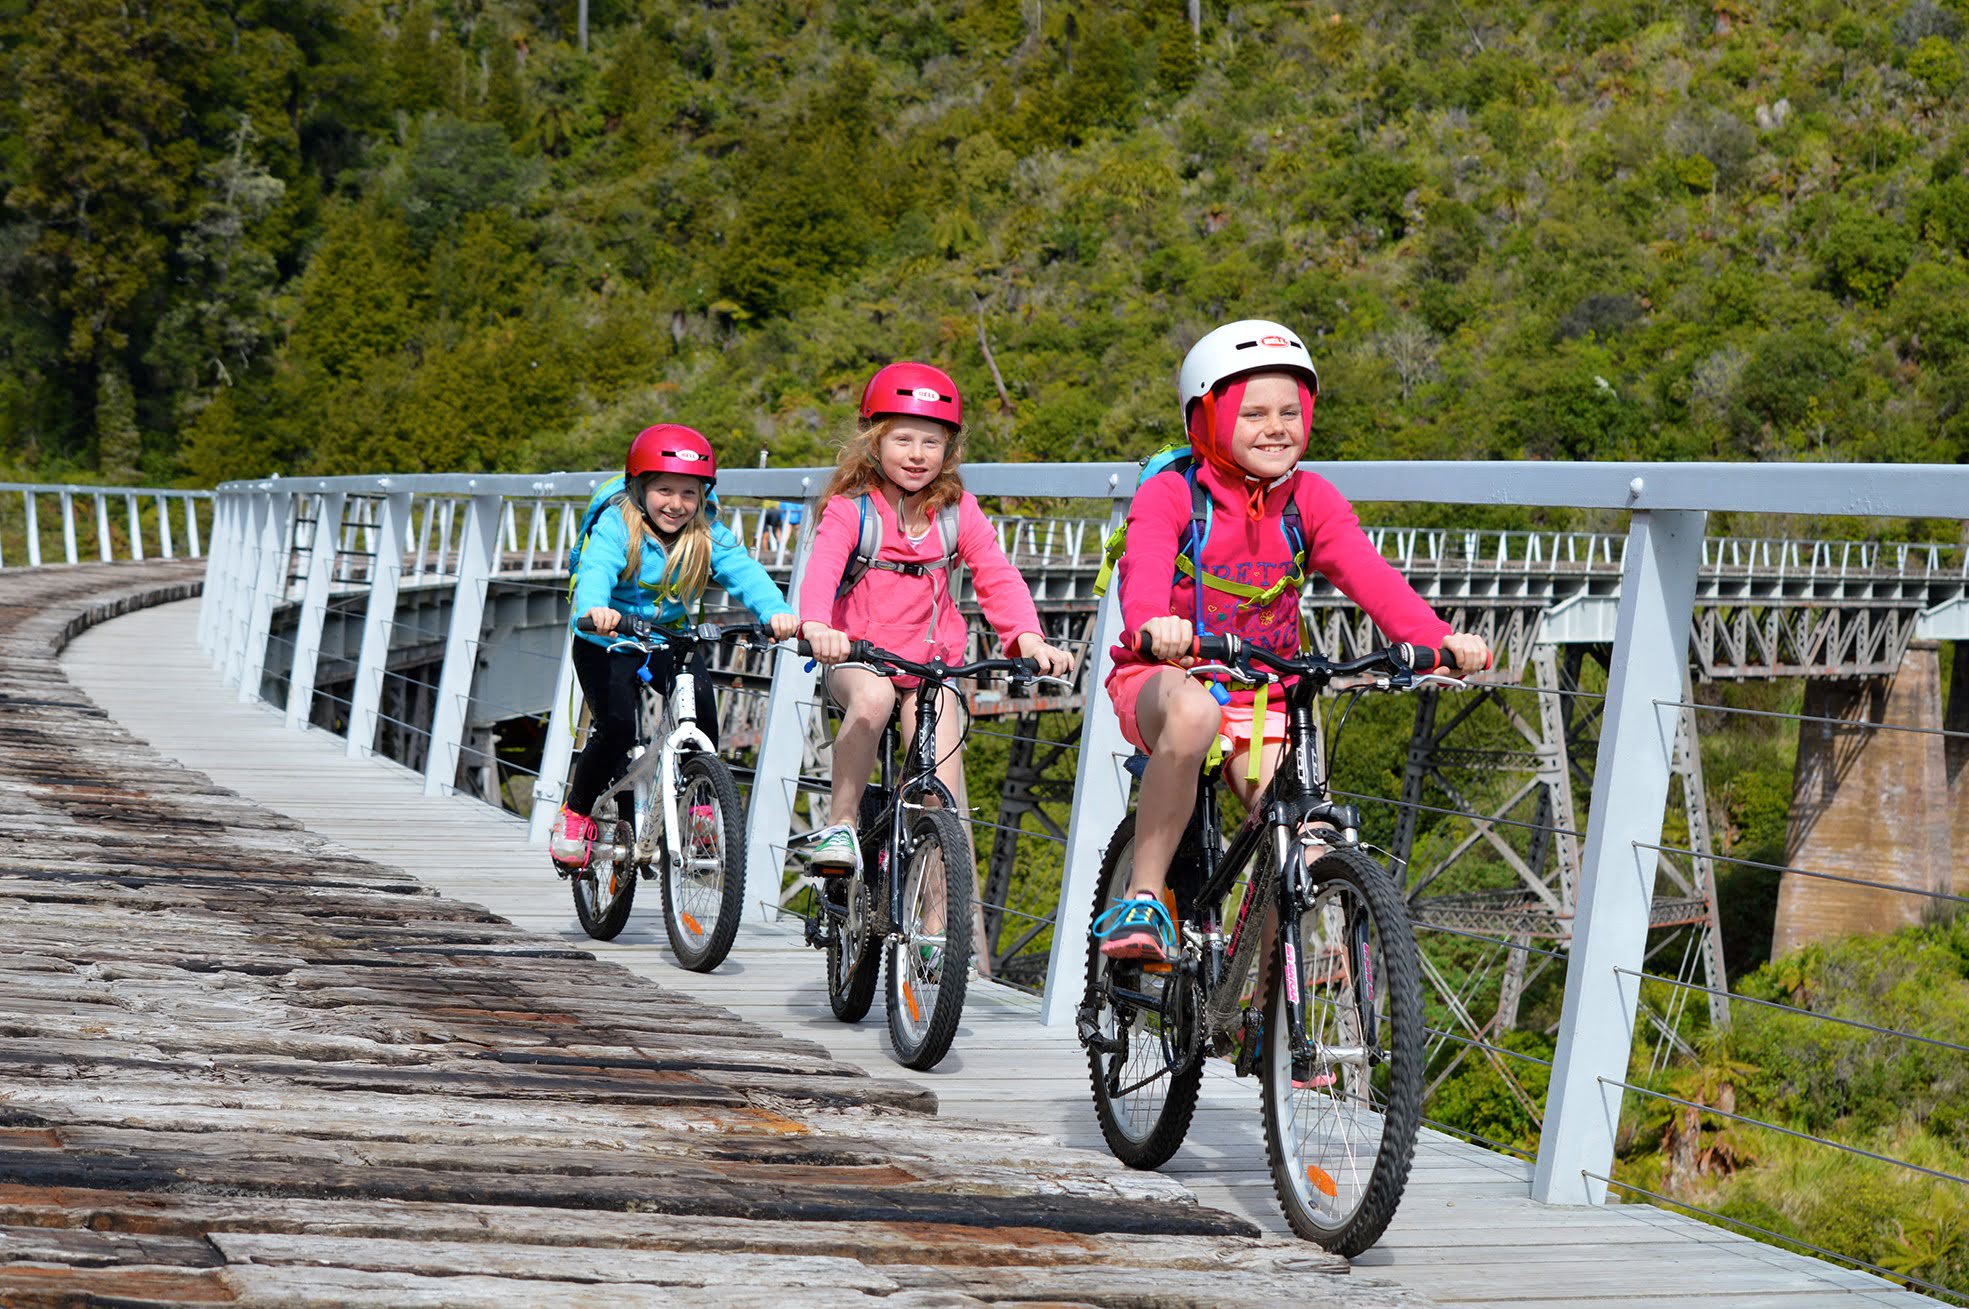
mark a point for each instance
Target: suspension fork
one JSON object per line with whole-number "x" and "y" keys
{"x": 1290, "y": 897}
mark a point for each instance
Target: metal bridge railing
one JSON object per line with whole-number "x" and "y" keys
{"x": 42, "y": 526}
{"x": 477, "y": 533}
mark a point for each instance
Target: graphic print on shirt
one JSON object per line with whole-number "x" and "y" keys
{"x": 1274, "y": 626}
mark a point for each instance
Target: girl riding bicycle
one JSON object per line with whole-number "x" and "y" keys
{"x": 896, "y": 523}
{"x": 651, "y": 547}
{"x": 1246, "y": 524}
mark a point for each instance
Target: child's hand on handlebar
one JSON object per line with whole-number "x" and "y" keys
{"x": 783, "y": 626}
{"x": 602, "y": 619}
{"x": 1050, "y": 659}
{"x": 1170, "y": 639}
{"x": 829, "y": 646}
{"x": 1470, "y": 651}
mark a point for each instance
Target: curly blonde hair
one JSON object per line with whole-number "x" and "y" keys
{"x": 860, "y": 465}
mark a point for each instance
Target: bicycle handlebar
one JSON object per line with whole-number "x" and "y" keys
{"x": 889, "y": 664}
{"x": 1238, "y": 653}
{"x": 645, "y": 632}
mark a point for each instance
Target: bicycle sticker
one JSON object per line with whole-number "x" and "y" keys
{"x": 1291, "y": 973}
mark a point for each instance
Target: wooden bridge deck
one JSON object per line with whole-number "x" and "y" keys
{"x": 604, "y": 1129}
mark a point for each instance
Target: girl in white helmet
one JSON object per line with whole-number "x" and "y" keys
{"x": 1247, "y": 391}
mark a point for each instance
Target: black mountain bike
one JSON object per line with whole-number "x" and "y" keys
{"x": 1339, "y": 1040}
{"x": 912, "y": 890}
{"x": 677, "y": 814}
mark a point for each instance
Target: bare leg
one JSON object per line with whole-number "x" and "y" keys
{"x": 865, "y": 701}
{"x": 1179, "y": 720}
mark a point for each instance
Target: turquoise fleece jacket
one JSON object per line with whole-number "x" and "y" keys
{"x": 598, "y": 577}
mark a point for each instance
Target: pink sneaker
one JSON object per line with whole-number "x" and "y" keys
{"x": 573, "y": 839}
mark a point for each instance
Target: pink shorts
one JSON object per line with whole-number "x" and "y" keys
{"x": 1125, "y": 689}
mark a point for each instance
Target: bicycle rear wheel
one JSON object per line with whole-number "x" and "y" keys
{"x": 930, "y": 958}
{"x": 703, "y": 898}
{"x": 852, "y": 970}
{"x": 604, "y": 894}
{"x": 1143, "y": 1055}
{"x": 1340, "y": 1133}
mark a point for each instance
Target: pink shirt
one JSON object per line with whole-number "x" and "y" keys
{"x": 1257, "y": 553}
{"x": 912, "y": 616}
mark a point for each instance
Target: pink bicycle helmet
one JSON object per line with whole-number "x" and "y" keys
{"x": 910, "y": 388}
{"x": 671, "y": 448}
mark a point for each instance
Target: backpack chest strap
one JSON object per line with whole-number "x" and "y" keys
{"x": 1249, "y": 596}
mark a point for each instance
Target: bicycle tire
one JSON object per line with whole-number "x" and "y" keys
{"x": 920, "y": 1033}
{"x": 607, "y": 924}
{"x": 850, "y": 997}
{"x": 700, "y": 948}
{"x": 1138, "y": 1141}
{"x": 1392, "y": 976}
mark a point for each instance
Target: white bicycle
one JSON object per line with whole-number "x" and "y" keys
{"x": 677, "y": 814}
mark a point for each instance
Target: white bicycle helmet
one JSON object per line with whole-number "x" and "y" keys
{"x": 1241, "y": 347}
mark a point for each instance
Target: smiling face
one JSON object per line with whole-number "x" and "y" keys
{"x": 672, "y": 501}
{"x": 1271, "y": 425}
{"x": 913, "y": 451}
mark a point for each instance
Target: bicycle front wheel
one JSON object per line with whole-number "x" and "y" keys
{"x": 703, "y": 895}
{"x": 1343, "y": 1093}
{"x": 930, "y": 955}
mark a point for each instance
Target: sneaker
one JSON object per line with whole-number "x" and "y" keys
{"x": 834, "y": 851}
{"x": 573, "y": 839}
{"x": 1251, "y": 1040}
{"x": 703, "y": 826}
{"x": 1137, "y": 928}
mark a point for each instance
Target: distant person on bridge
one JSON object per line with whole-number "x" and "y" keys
{"x": 648, "y": 547}
{"x": 1221, "y": 544}
{"x": 895, "y": 524}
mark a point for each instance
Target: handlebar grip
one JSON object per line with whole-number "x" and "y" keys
{"x": 584, "y": 624}
{"x": 1213, "y": 648}
{"x": 1425, "y": 658}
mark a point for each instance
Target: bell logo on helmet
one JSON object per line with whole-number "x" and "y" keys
{"x": 929, "y": 393}
{"x": 1279, "y": 341}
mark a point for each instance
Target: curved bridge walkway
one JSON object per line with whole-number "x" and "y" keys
{"x": 264, "y": 1046}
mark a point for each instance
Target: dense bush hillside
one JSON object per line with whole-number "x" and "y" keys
{"x": 342, "y": 234}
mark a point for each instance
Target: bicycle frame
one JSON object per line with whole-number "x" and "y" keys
{"x": 921, "y": 783}
{"x": 681, "y": 706}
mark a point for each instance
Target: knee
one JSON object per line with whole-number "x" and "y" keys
{"x": 1190, "y": 724}
{"x": 868, "y": 710}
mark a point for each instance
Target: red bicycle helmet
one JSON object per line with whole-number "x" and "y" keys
{"x": 671, "y": 448}
{"x": 908, "y": 388}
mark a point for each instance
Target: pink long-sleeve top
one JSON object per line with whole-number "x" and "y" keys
{"x": 912, "y": 616}
{"x": 1257, "y": 553}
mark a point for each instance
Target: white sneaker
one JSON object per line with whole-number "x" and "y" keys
{"x": 834, "y": 851}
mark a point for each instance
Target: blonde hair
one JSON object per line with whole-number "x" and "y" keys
{"x": 687, "y": 560}
{"x": 860, "y": 465}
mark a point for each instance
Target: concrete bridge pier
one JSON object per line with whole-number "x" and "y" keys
{"x": 1875, "y": 805}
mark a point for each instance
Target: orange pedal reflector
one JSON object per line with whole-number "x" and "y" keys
{"x": 1163, "y": 967}
{"x": 1321, "y": 1182}
{"x": 692, "y": 924}
{"x": 909, "y": 998}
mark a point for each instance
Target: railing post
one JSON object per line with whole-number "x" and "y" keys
{"x": 1616, "y": 889}
{"x": 378, "y": 622}
{"x": 555, "y": 753}
{"x": 477, "y": 556}
{"x": 782, "y": 742}
{"x": 242, "y": 566}
{"x": 136, "y": 528}
{"x": 269, "y": 581}
{"x": 33, "y": 529}
{"x": 209, "y": 600}
{"x": 1100, "y": 801}
{"x": 164, "y": 527}
{"x": 68, "y": 527}
{"x": 102, "y": 528}
{"x": 322, "y": 546}
{"x": 191, "y": 522}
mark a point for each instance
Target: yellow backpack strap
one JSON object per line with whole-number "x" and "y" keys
{"x": 1253, "y": 769}
{"x": 1250, "y": 597}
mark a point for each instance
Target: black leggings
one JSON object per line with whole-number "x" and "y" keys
{"x": 609, "y": 682}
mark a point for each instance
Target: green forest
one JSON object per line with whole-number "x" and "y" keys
{"x": 337, "y": 236}
{"x": 352, "y": 235}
